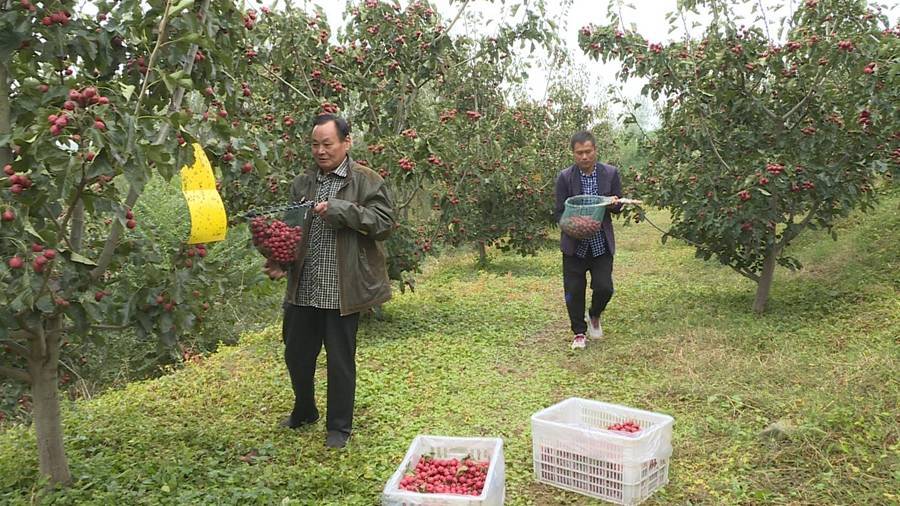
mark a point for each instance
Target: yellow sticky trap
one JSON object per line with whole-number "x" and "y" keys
{"x": 208, "y": 220}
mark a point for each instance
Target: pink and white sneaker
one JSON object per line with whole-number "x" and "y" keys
{"x": 579, "y": 342}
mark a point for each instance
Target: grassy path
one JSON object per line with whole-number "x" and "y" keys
{"x": 477, "y": 352}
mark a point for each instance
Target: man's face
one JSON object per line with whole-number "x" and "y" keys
{"x": 585, "y": 155}
{"x": 327, "y": 148}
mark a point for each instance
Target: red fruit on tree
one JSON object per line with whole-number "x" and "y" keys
{"x": 130, "y": 224}
{"x": 15, "y": 262}
{"x": 8, "y": 215}
{"x": 50, "y": 254}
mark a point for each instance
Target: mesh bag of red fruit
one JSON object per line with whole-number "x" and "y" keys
{"x": 276, "y": 232}
{"x": 583, "y": 215}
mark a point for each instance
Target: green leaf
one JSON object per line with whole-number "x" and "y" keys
{"x": 169, "y": 82}
{"x": 30, "y": 229}
{"x": 184, "y": 4}
{"x": 127, "y": 90}
{"x": 10, "y": 39}
{"x": 78, "y": 259}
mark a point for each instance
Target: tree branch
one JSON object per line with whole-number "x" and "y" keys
{"x": 113, "y": 240}
{"x": 77, "y": 233}
{"x": 769, "y": 112}
{"x": 178, "y": 94}
{"x": 116, "y": 231}
{"x": 793, "y": 232}
{"x": 17, "y": 348}
{"x": 812, "y": 90}
{"x": 413, "y": 194}
{"x": 762, "y": 10}
{"x": 459, "y": 14}
{"x": 16, "y": 374}
{"x": 289, "y": 85}
{"x": 154, "y": 56}
{"x": 712, "y": 144}
{"x": 748, "y": 274}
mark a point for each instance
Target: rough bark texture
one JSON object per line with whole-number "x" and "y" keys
{"x": 45, "y": 408}
{"x": 765, "y": 281}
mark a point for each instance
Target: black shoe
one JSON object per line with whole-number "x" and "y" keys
{"x": 336, "y": 439}
{"x": 290, "y": 423}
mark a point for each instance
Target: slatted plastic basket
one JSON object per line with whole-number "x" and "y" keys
{"x": 443, "y": 447}
{"x": 574, "y": 450}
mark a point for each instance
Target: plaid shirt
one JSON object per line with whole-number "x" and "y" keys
{"x": 595, "y": 245}
{"x": 319, "y": 280}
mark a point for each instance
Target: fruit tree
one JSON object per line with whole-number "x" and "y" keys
{"x": 762, "y": 136}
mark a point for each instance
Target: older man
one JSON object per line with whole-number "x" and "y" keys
{"x": 594, "y": 254}
{"x": 340, "y": 270}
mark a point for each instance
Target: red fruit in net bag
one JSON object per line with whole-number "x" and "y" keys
{"x": 275, "y": 239}
{"x": 580, "y": 227}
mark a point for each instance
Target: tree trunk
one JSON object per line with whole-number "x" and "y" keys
{"x": 5, "y": 119}
{"x": 45, "y": 397}
{"x": 764, "y": 285}
{"x": 482, "y": 254}
{"x": 77, "y": 233}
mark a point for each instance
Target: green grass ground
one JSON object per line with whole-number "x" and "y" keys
{"x": 476, "y": 353}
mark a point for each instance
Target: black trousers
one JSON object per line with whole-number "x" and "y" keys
{"x": 304, "y": 330}
{"x": 575, "y": 284}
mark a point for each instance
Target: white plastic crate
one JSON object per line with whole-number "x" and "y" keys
{"x": 573, "y": 450}
{"x": 442, "y": 447}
